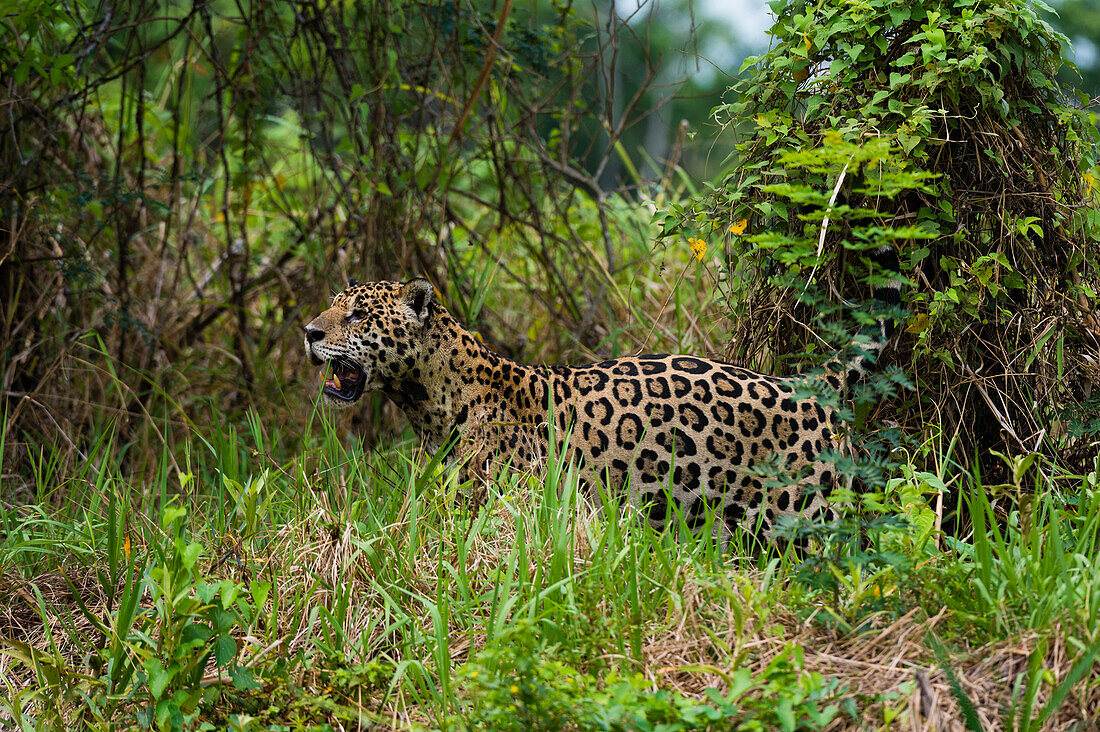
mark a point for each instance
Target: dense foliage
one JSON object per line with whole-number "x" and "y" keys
{"x": 184, "y": 183}
{"x": 998, "y": 242}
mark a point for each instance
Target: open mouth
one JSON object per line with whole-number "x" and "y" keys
{"x": 347, "y": 381}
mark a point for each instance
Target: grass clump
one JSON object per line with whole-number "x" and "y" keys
{"x": 342, "y": 588}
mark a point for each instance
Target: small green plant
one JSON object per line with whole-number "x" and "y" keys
{"x": 149, "y": 659}
{"x": 192, "y": 620}
{"x": 515, "y": 685}
{"x": 518, "y": 684}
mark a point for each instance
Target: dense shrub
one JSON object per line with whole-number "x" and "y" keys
{"x": 998, "y": 243}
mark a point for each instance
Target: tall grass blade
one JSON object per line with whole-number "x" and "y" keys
{"x": 1082, "y": 667}
{"x": 970, "y": 712}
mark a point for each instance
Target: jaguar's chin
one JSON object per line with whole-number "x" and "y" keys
{"x": 346, "y": 383}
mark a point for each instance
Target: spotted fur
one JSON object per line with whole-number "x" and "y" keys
{"x": 704, "y": 433}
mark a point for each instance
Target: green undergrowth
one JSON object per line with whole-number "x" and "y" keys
{"x": 340, "y": 587}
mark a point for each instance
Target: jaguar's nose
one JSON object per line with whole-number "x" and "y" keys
{"x": 314, "y": 334}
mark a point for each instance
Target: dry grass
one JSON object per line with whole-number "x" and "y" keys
{"x": 699, "y": 624}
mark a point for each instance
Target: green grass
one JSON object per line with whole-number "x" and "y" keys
{"x": 339, "y": 588}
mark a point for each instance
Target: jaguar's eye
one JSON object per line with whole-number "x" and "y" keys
{"x": 356, "y": 315}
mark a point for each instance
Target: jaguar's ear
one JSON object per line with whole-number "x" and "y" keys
{"x": 418, "y": 295}
{"x": 352, "y": 282}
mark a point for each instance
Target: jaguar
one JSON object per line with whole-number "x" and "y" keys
{"x": 705, "y": 435}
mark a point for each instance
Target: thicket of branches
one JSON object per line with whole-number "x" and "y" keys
{"x": 184, "y": 183}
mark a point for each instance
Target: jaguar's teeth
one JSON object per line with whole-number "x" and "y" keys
{"x": 336, "y": 381}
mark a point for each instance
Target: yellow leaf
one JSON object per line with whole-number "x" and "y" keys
{"x": 738, "y": 228}
{"x": 919, "y": 324}
{"x": 1089, "y": 182}
{"x": 437, "y": 474}
{"x": 806, "y": 40}
{"x": 126, "y": 546}
{"x": 698, "y": 248}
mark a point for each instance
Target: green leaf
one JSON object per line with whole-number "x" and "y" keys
{"x": 22, "y": 71}
{"x": 190, "y": 554}
{"x": 159, "y": 677}
{"x": 897, "y": 79}
{"x": 243, "y": 678}
{"x": 164, "y": 711}
{"x": 195, "y": 634}
{"x": 229, "y": 590}
{"x": 224, "y": 620}
{"x": 785, "y": 712}
{"x": 1080, "y": 669}
{"x": 225, "y": 650}
{"x": 205, "y": 592}
{"x": 171, "y": 515}
{"x": 900, "y": 13}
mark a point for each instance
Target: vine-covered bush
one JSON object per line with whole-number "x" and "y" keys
{"x": 998, "y": 240}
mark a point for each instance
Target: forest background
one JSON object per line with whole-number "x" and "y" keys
{"x": 189, "y": 542}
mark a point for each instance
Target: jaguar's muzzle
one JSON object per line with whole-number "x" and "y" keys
{"x": 347, "y": 381}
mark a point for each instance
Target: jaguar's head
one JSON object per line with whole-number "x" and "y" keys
{"x": 369, "y": 338}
